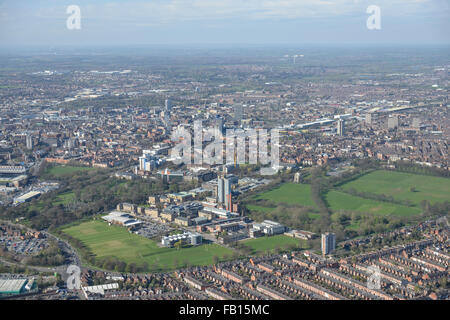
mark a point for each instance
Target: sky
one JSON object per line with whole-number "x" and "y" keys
{"x": 134, "y": 22}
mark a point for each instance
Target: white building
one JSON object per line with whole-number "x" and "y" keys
{"x": 269, "y": 227}
{"x": 194, "y": 239}
{"x": 121, "y": 218}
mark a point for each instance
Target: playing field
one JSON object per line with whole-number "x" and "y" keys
{"x": 254, "y": 208}
{"x": 342, "y": 201}
{"x": 264, "y": 244}
{"x": 403, "y": 186}
{"x": 114, "y": 241}
{"x": 59, "y": 171}
{"x": 290, "y": 193}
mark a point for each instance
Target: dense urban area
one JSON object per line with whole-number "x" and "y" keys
{"x": 356, "y": 206}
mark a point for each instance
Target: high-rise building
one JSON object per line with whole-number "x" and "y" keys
{"x": 393, "y": 122}
{"x": 168, "y": 104}
{"x": 147, "y": 162}
{"x": 227, "y": 195}
{"x": 224, "y": 193}
{"x": 328, "y": 242}
{"x": 369, "y": 118}
{"x": 220, "y": 187}
{"x": 340, "y": 127}
{"x": 29, "y": 142}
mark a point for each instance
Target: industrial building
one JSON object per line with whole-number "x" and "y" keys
{"x": 26, "y": 197}
{"x": 15, "y": 286}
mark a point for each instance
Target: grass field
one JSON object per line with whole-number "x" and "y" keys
{"x": 342, "y": 201}
{"x": 253, "y": 208}
{"x": 114, "y": 241}
{"x": 59, "y": 171}
{"x": 290, "y": 193}
{"x": 63, "y": 198}
{"x": 399, "y": 184}
{"x": 264, "y": 244}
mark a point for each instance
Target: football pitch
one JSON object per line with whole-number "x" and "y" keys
{"x": 61, "y": 170}
{"x": 115, "y": 241}
{"x": 290, "y": 193}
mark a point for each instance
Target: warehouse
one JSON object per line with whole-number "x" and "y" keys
{"x": 12, "y": 286}
{"x": 26, "y": 197}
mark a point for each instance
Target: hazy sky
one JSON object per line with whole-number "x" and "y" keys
{"x": 122, "y": 22}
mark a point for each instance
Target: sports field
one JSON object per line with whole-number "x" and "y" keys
{"x": 256, "y": 208}
{"x": 59, "y": 171}
{"x": 290, "y": 193}
{"x": 403, "y": 186}
{"x": 342, "y": 201}
{"x": 114, "y": 241}
{"x": 264, "y": 244}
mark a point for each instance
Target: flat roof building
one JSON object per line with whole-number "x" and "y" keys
{"x": 12, "y": 286}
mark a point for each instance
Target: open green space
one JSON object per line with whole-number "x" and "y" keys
{"x": 63, "y": 198}
{"x": 342, "y": 201}
{"x": 290, "y": 193}
{"x": 115, "y": 241}
{"x": 264, "y": 244}
{"x": 257, "y": 208}
{"x": 403, "y": 186}
{"x": 62, "y": 170}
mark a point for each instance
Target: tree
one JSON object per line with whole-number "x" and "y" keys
{"x": 178, "y": 245}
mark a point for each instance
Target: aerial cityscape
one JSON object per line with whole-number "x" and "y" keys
{"x": 224, "y": 172}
